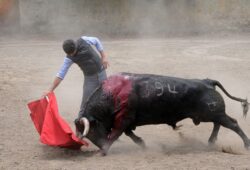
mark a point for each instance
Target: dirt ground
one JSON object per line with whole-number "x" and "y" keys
{"x": 28, "y": 67}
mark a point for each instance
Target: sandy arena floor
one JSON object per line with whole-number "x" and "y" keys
{"x": 28, "y": 67}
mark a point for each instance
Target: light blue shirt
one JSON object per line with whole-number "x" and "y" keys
{"x": 68, "y": 62}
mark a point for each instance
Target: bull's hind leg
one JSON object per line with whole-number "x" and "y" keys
{"x": 135, "y": 138}
{"x": 232, "y": 124}
{"x": 214, "y": 134}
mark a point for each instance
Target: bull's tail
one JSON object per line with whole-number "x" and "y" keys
{"x": 244, "y": 102}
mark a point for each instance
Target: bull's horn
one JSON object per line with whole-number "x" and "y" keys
{"x": 84, "y": 121}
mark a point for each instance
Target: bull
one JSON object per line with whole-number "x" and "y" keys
{"x": 128, "y": 100}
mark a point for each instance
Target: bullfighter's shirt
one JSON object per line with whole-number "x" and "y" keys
{"x": 68, "y": 62}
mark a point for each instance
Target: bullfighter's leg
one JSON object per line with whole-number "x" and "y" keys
{"x": 135, "y": 138}
{"x": 214, "y": 134}
{"x": 232, "y": 124}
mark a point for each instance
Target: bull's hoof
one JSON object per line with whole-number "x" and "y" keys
{"x": 247, "y": 144}
{"x": 212, "y": 141}
{"x": 142, "y": 145}
{"x": 247, "y": 147}
{"x": 211, "y": 145}
{"x": 101, "y": 152}
{"x": 104, "y": 150}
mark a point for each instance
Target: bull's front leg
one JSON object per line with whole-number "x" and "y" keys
{"x": 118, "y": 130}
{"x": 114, "y": 135}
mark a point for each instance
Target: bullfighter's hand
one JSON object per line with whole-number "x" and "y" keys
{"x": 105, "y": 63}
{"x": 45, "y": 94}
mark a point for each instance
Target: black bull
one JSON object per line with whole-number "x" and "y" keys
{"x": 154, "y": 99}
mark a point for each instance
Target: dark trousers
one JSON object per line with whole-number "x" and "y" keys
{"x": 90, "y": 84}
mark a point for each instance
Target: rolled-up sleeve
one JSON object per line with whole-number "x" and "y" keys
{"x": 64, "y": 68}
{"x": 93, "y": 41}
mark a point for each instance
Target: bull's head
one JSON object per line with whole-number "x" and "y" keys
{"x": 93, "y": 130}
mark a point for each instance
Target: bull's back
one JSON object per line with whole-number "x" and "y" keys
{"x": 161, "y": 98}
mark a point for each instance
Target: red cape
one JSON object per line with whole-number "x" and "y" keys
{"x": 53, "y": 130}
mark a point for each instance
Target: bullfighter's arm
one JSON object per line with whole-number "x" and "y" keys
{"x": 98, "y": 45}
{"x": 60, "y": 75}
{"x": 55, "y": 83}
{"x": 104, "y": 59}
